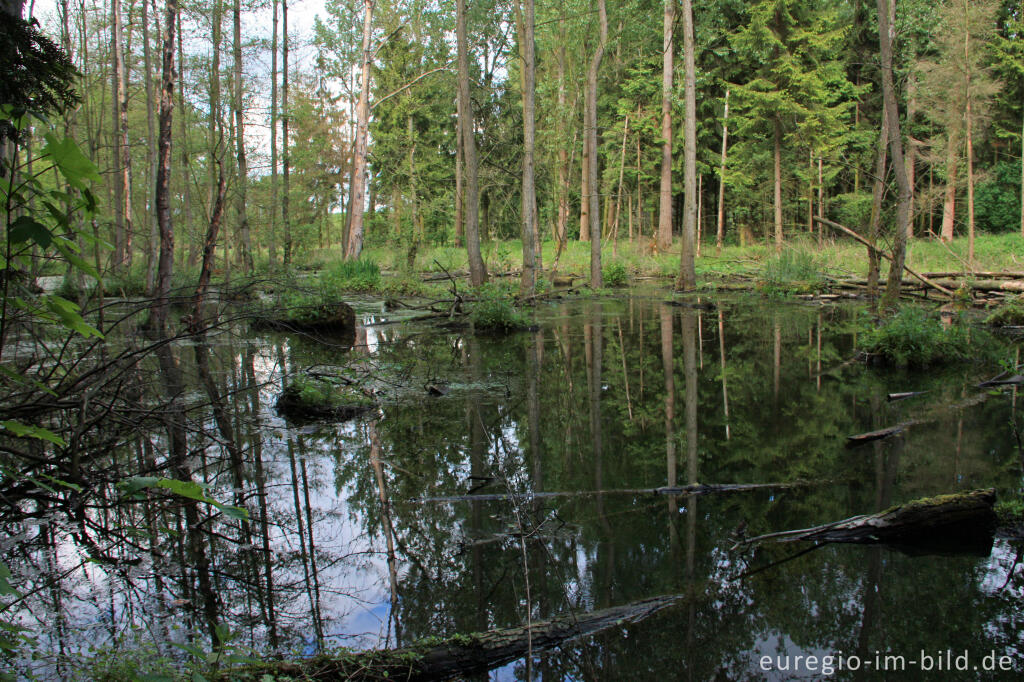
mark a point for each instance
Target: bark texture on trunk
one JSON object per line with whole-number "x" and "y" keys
{"x": 665, "y": 188}
{"x": 163, "y": 175}
{"x": 355, "y": 235}
{"x": 471, "y": 208}
{"x": 687, "y": 270}
{"x": 596, "y": 280}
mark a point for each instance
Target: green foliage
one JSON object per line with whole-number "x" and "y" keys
{"x": 1010, "y": 512}
{"x": 493, "y": 311}
{"x": 615, "y": 274}
{"x": 349, "y": 275}
{"x": 997, "y": 199}
{"x": 792, "y": 271}
{"x": 1009, "y": 314}
{"x": 914, "y": 338}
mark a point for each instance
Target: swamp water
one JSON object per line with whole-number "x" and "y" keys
{"x": 423, "y": 519}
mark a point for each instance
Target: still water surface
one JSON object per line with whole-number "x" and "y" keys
{"x": 422, "y": 518}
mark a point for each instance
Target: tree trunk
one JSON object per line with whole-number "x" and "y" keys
{"x": 460, "y": 187}
{"x": 591, "y": 141}
{"x": 970, "y": 146}
{"x": 123, "y": 183}
{"x": 529, "y": 198}
{"x": 285, "y": 115}
{"x": 949, "y": 197}
{"x": 272, "y": 237}
{"x": 778, "y": 185}
{"x": 158, "y": 318}
{"x": 665, "y": 188}
{"x": 562, "y": 224}
{"x": 911, "y": 147}
{"x": 585, "y": 176}
{"x": 477, "y": 269}
{"x": 687, "y": 272}
{"x": 720, "y": 233}
{"x": 877, "y": 193}
{"x": 242, "y": 179}
{"x": 154, "y": 228}
{"x": 355, "y": 235}
{"x": 892, "y": 122}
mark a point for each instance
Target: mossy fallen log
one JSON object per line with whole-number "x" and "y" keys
{"x": 944, "y": 523}
{"x": 461, "y": 655}
{"x": 693, "y": 489}
{"x": 309, "y": 399}
{"x": 335, "y": 319}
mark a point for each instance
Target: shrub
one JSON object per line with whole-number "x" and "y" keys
{"x": 615, "y": 275}
{"x": 793, "y": 270}
{"x": 1010, "y": 314}
{"x": 350, "y": 275}
{"x": 494, "y": 312}
{"x": 997, "y": 199}
{"x": 913, "y": 338}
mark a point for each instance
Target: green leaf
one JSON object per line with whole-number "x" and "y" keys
{"x": 26, "y": 228}
{"x": 19, "y": 430}
{"x": 69, "y": 317}
{"x": 75, "y": 166}
{"x": 6, "y": 589}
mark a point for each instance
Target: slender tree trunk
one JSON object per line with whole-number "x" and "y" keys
{"x": 477, "y": 269}
{"x": 123, "y": 166}
{"x": 562, "y": 224}
{"x": 272, "y": 237}
{"x": 878, "y": 192}
{"x": 529, "y": 194}
{"x": 687, "y": 271}
{"x": 720, "y": 233}
{"x": 949, "y": 196}
{"x": 215, "y": 128}
{"x": 970, "y": 146}
{"x": 286, "y": 219}
{"x": 892, "y": 121}
{"x": 460, "y": 188}
{"x": 778, "y": 185}
{"x": 184, "y": 160}
{"x": 618, "y": 194}
{"x": 911, "y": 147}
{"x": 154, "y": 228}
{"x": 355, "y": 235}
{"x": 665, "y": 191}
{"x": 158, "y": 318}
{"x": 585, "y": 176}
{"x": 242, "y": 169}
{"x": 592, "y": 175}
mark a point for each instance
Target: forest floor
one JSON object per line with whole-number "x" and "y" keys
{"x": 800, "y": 256}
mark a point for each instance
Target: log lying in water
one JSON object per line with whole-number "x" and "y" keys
{"x": 959, "y": 521}
{"x": 460, "y": 655}
{"x": 693, "y": 489}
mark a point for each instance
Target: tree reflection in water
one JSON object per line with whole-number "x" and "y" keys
{"x": 339, "y": 548}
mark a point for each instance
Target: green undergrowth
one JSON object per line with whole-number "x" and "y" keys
{"x": 914, "y": 338}
{"x": 1009, "y": 314}
{"x": 307, "y": 397}
{"x": 1010, "y": 512}
{"x": 793, "y": 271}
{"x": 493, "y": 310}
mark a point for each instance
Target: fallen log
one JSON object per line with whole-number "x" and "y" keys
{"x": 903, "y": 396}
{"x": 694, "y": 489}
{"x": 883, "y": 254}
{"x": 461, "y": 655}
{"x": 958, "y": 521}
{"x": 935, "y": 415}
{"x": 861, "y": 438}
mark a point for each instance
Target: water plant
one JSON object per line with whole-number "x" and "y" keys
{"x": 615, "y": 274}
{"x": 914, "y": 338}
{"x": 792, "y": 271}
{"x": 493, "y": 312}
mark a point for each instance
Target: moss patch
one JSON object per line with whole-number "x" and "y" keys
{"x": 307, "y": 399}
